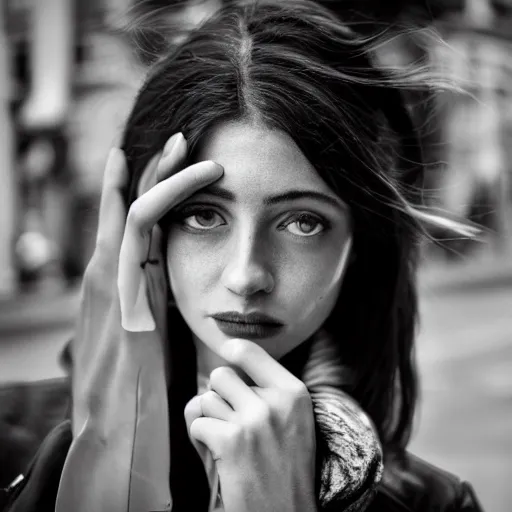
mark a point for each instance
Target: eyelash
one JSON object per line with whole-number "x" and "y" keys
{"x": 308, "y": 217}
{"x": 193, "y": 211}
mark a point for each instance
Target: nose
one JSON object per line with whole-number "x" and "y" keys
{"x": 248, "y": 271}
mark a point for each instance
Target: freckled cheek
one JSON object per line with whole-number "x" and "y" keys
{"x": 191, "y": 268}
{"x": 315, "y": 281}
{"x": 321, "y": 297}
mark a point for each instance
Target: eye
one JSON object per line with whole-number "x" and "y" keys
{"x": 305, "y": 225}
{"x": 201, "y": 219}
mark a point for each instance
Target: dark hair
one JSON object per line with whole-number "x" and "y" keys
{"x": 294, "y": 66}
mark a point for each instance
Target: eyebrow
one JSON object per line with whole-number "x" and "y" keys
{"x": 289, "y": 195}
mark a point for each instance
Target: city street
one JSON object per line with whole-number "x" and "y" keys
{"x": 465, "y": 355}
{"x": 464, "y": 349}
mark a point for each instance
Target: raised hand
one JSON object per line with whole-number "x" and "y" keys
{"x": 261, "y": 437}
{"x": 119, "y": 457}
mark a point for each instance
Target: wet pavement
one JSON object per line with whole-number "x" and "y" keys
{"x": 464, "y": 351}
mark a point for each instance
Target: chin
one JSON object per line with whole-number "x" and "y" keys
{"x": 277, "y": 348}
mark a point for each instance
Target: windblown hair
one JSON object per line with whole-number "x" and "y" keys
{"x": 294, "y": 66}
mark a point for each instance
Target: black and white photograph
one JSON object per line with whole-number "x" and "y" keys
{"x": 255, "y": 255}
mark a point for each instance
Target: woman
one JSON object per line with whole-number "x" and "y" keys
{"x": 258, "y": 293}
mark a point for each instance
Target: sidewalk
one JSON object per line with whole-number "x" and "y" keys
{"x": 472, "y": 275}
{"x": 45, "y": 310}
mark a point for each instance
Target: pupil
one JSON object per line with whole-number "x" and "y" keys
{"x": 205, "y": 217}
{"x": 306, "y": 226}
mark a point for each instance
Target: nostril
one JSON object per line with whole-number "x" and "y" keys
{"x": 249, "y": 281}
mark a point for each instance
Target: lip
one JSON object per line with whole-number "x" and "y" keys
{"x": 251, "y": 325}
{"x": 248, "y": 318}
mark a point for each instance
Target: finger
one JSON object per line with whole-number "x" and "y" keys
{"x": 200, "y": 439}
{"x": 192, "y": 412}
{"x": 214, "y": 406}
{"x": 148, "y": 209}
{"x": 112, "y": 211}
{"x": 262, "y": 368}
{"x": 144, "y": 316}
{"x": 230, "y": 387}
{"x": 144, "y": 213}
{"x": 164, "y": 164}
{"x": 148, "y": 178}
{"x": 156, "y": 282}
{"x": 157, "y": 237}
{"x": 213, "y": 433}
{"x": 173, "y": 157}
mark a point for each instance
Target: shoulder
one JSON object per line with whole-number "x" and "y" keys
{"x": 412, "y": 484}
{"x": 37, "y": 489}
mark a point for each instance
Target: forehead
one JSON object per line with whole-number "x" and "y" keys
{"x": 259, "y": 160}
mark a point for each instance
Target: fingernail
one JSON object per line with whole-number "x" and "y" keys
{"x": 217, "y": 168}
{"x": 171, "y": 144}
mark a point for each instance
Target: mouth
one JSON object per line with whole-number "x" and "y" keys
{"x": 252, "y": 325}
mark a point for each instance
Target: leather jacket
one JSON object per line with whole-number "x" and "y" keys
{"x": 412, "y": 484}
{"x": 409, "y": 484}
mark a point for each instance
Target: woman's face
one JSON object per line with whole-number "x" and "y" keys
{"x": 269, "y": 239}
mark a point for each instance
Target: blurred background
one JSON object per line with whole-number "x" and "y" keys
{"x": 69, "y": 70}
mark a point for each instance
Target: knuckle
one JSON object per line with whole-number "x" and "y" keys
{"x": 264, "y": 414}
{"x": 300, "y": 391}
{"x": 192, "y": 403}
{"x": 219, "y": 374}
{"x": 209, "y": 397}
{"x": 263, "y": 411}
{"x": 188, "y": 408}
{"x": 258, "y": 417}
{"x": 192, "y": 407}
{"x": 194, "y": 429}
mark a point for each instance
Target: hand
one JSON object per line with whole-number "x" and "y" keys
{"x": 119, "y": 457}
{"x": 261, "y": 437}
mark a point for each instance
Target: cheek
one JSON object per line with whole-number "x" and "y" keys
{"x": 316, "y": 279}
{"x": 190, "y": 268}
{"x": 320, "y": 301}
